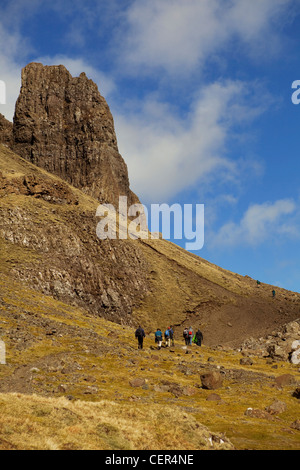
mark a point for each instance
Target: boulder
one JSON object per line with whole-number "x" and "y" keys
{"x": 295, "y": 357}
{"x": 292, "y": 328}
{"x": 211, "y": 380}
{"x": 256, "y": 413}
{"x": 278, "y": 352}
{"x": 285, "y": 379}
{"x": 276, "y": 407}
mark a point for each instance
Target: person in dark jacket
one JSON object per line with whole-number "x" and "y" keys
{"x": 186, "y": 336}
{"x": 172, "y": 335}
{"x": 198, "y": 338}
{"x": 140, "y": 335}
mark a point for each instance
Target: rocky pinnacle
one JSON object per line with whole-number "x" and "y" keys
{"x": 64, "y": 125}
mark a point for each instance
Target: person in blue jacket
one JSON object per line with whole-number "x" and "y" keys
{"x": 168, "y": 337}
{"x": 158, "y": 338}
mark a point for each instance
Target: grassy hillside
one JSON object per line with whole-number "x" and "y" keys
{"x": 69, "y": 305}
{"x": 48, "y": 239}
{"x": 69, "y": 384}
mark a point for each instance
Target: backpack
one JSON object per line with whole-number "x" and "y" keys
{"x": 190, "y": 332}
{"x": 167, "y": 333}
{"x": 139, "y": 332}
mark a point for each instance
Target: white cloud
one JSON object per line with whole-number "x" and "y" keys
{"x": 10, "y": 69}
{"x": 177, "y": 36}
{"x": 261, "y": 222}
{"x": 167, "y": 153}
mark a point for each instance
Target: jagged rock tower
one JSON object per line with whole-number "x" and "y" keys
{"x": 65, "y": 126}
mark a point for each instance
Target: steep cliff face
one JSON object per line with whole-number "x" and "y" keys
{"x": 6, "y": 131}
{"x": 64, "y": 125}
{"x": 48, "y": 241}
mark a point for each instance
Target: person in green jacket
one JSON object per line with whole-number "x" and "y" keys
{"x": 198, "y": 338}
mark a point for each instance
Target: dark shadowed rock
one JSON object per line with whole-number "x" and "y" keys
{"x": 296, "y": 393}
{"x": 6, "y": 131}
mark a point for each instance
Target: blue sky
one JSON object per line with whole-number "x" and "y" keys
{"x": 200, "y": 91}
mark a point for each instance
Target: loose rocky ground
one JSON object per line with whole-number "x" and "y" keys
{"x": 67, "y": 353}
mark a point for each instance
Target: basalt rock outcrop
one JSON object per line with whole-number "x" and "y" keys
{"x": 6, "y": 131}
{"x": 64, "y": 125}
{"x": 282, "y": 345}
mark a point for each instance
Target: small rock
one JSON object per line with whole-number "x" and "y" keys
{"x": 91, "y": 390}
{"x": 296, "y": 393}
{"x": 246, "y": 361}
{"x": 213, "y": 397}
{"x": 296, "y": 424}
{"x": 137, "y": 382}
{"x": 189, "y": 391}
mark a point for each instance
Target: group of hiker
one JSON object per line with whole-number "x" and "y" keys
{"x": 168, "y": 337}
{"x": 190, "y": 337}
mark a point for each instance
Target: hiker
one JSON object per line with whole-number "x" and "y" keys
{"x": 258, "y": 283}
{"x": 158, "y": 338}
{"x": 172, "y": 335}
{"x": 273, "y": 293}
{"x": 186, "y": 335}
{"x": 190, "y": 335}
{"x": 198, "y": 338}
{"x": 167, "y": 337}
{"x": 140, "y": 335}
